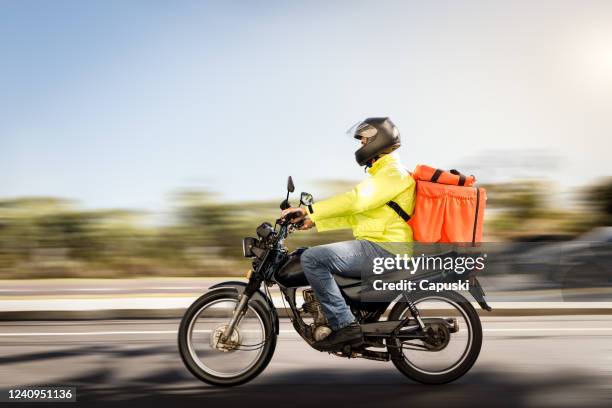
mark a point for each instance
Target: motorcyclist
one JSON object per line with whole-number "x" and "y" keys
{"x": 374, "y": 223}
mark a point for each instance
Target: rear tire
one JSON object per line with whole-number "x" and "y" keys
{"x": 471, "y": 353}
{"x": 187, "y": 354}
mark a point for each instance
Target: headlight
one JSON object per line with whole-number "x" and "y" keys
{"x": 247, "y": 246}
{"x": 265, "y": 230}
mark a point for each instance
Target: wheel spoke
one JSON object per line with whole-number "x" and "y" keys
{"x": 440, "y": 351}
{"x": 234, "y": 356}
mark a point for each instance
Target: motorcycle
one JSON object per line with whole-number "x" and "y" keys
{"x": 228, "y": 336}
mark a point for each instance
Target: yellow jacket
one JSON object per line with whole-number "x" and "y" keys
{"x": 364, "y": 208}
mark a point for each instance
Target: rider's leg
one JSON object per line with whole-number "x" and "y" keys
{"x": 349, "y": 258}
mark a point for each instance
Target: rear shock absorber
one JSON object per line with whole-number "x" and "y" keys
{"x": 415, "y": 313}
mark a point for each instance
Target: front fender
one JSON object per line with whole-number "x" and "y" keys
{"x": 259, "y": 296}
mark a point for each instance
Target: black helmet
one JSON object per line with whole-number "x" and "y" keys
{"x": 384, "y": 138}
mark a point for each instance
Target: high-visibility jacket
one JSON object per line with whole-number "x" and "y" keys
{"x": 364, "y": 209}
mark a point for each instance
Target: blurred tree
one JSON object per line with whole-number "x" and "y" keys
{"x": 522, "y": 200}
{"x": 524, "y": 207}
{"x": 599, "y": 199}
{"x": 51, "y": 237}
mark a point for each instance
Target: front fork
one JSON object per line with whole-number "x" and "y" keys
{"x": 240, "y": 309}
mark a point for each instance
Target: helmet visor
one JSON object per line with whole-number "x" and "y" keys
{"x": 361, "y": 129}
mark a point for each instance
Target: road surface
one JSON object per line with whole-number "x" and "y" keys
{"x": 526, "y": 361}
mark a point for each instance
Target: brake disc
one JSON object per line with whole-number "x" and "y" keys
{"x": 230, "y": 344}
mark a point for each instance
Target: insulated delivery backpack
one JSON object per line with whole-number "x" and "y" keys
{"x": 448, "y": 207}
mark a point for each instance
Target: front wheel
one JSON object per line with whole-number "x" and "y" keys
{"x": 240, "y": 358}
{"x": 444, "y": 354}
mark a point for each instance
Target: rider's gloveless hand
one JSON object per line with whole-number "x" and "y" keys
{"x": 308, "y": 224}
{"x": 295, "y": 214}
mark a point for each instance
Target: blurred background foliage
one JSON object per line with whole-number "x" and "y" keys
{"x": 48, "y": 237}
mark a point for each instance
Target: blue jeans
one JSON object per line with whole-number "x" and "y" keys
{"x": 349, "y": 259}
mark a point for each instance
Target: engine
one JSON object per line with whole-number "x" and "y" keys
{"x": 320, "y": 326}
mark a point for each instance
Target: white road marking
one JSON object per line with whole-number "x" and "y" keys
{"x": 560, "y": 329}
{"x": 63, "y": 290}
{"x": 102, "y": 333}
{"x": 587, "y": 330}
{"x": 162, "y": 288}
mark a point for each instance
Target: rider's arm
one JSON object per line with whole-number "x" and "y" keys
{"x": 335, "y": 223}
{"x": 371, "y": 193}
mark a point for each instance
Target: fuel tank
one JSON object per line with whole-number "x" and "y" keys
{"x": 291, "y": 275}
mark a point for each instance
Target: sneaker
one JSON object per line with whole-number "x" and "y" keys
{"x": 349, "y": 335}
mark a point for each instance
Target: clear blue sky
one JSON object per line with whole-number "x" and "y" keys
{"x": 120, "y": 103}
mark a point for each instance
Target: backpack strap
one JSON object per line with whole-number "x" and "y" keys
{"x": 462, "y": 177}
{"x": 476, "y": 216}
{"x": 403, "y": 214}
{"x": 436, "y": 175}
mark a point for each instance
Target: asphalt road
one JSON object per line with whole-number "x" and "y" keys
{"x": 526, "y": 361}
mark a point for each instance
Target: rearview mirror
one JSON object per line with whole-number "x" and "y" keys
{"x": 306, "y": 199}
{"x": 290, "y": 186}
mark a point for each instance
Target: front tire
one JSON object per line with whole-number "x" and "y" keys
{"x": 466, "y": 356}
{"x": 255, "y": 336}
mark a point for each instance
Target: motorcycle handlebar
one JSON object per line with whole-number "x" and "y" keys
{"x": 289, "y": 219}
{"x": 286, "y": 221}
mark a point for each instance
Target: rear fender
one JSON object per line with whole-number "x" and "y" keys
{"x": 259, "y": 296}
{"x": 478, "y": 293}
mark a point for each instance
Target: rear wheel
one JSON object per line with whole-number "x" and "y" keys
{"x": 443, "y": 355}
{"x": 245, "y": 353}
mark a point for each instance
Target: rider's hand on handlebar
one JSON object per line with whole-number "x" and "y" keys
{"x": 306, "y": 224}
{"x": 294, "y": 214}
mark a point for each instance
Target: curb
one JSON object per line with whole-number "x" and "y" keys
{"x": 112, "y": 314}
